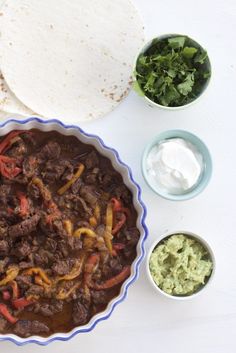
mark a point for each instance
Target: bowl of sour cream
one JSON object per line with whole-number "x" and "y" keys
{"x": 177, "y": 165}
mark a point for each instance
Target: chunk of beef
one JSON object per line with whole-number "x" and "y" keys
{"x": 3, "y": 264}
{"x": 54, "y": 228}
{"x": 63, "y": 248}
{"x": 108, "y": 179}
{"x": 121, "y": 192}
{"x": 99, "y": 297}
{"x": 62, "y": 267}
{"x": 88, "y": 193}
{"x": 43, "y": 257}
{"x": 37, "y": 240}
{"x": 48, "y": 309}
{"x": 34, "y": 289}
{"x": 3, "y": 324}
{"x": 83, "y": 223}
{"x": 51, "y": 150}
{"x": 54, "y": 169}
{"x": 83, "y": 296}
{"x": 132, "y": 234}
{"x": 4, "y": 248}
{"x": 74, "y": 244}
{"x": 76, "y": 186}
{"x": 59, "y": 229}
{"x": 50, "y": 245}
{"x": 100, "y": 230}
{"x": 23, "y": 249}
{"x": 5, "y": 191}
{"x": 3, "y": 228}
{"x": 26, "y": 264}
{"x": 92, "y": 176}
{"x": 26, "y": 328}
{"x": 91, "y": 160}
{"x": 77, "y": 203}
{"x": 9, "y": 217}
{"x": 69, "y": 172}
{"x": 79, "y": 313}
{"x": 112, "y": 267}
{"x": 18, "y": 150}
{"x": 24, "y": 282}
{"x": 33, "y": 191}
{"x": 20, "y": 179}
{"x": 30, "y": 165}
{"x": 25, "y": 227}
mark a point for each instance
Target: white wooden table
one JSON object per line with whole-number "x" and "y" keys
{"x": 146, "y": 322}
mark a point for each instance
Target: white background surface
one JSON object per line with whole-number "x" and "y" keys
{"x": 147, "y": 322}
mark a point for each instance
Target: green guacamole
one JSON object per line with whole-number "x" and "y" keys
{"x": 180, "y": 265}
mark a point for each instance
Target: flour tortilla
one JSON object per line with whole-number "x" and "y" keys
{"x": 8, "y": 102}
{"x": 69, "y": 59}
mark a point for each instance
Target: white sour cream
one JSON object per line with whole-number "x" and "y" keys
{"x": 175, "y": 165}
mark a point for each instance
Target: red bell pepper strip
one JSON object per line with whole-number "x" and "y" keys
{"x": 116, "y": 204}
{"x": 118, "y": 207}
{"x": 10, "y": 210}
{"x": 119, "y": 224}
{"x": 24, "y": 204}
{"x": 6, "y": 142}
{"x": 8, "y": 316}
{"x": 6, "y": 295}
{"x": 114, "y": 281}
{"x": 90, "y": 268}
{"x": 21, "y": 303}
{"x": 118, "y": 246}
{"x": 8, "y": 167}
{"x": 114, "y": 252}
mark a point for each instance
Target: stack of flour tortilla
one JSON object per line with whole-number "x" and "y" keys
{"x": 63, "y": 59}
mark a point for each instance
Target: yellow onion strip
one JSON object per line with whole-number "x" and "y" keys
{"x": 94, "y": 220}
{"x": 33, "y": 297}
{"x": 88, "y": 243}
{"x": 46, "y": 194}
{"x": 109, "y": 223}
{"x": 86, "y": 231}
{"x": 75, "y": 272}
{"x": 68, "y": 226}
{"x": 38, "y": 280}
{"x": 76, "y": 176}
{"x": 40, "y": 274}
{"x": 11, "y": 274}
{"x": 64, "y": 294}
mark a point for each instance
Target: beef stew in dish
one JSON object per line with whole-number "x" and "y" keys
{"x": 67, "y": 232}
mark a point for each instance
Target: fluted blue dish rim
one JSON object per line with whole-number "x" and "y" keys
{"x": 133, "y": 277}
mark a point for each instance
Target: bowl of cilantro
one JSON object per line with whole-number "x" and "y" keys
{"x": 172, "y": 71}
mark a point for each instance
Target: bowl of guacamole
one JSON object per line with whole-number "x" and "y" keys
{"x": 181, "y": 264}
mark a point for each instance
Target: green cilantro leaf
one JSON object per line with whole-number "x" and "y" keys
{"x": 189, "y": 52}
{"x": 186, "y": 87}
{"x": 201, "y": 57}
{"x": 176, "y": 42}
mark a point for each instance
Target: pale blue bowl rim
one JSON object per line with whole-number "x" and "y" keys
{"x": 142, "y": 243}
{"x": 203, "y": 149}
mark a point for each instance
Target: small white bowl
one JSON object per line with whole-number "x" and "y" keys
{"x": 148, "y": 100}
{"x": 201, "y": 241}
{"x": 203, "y": 179}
